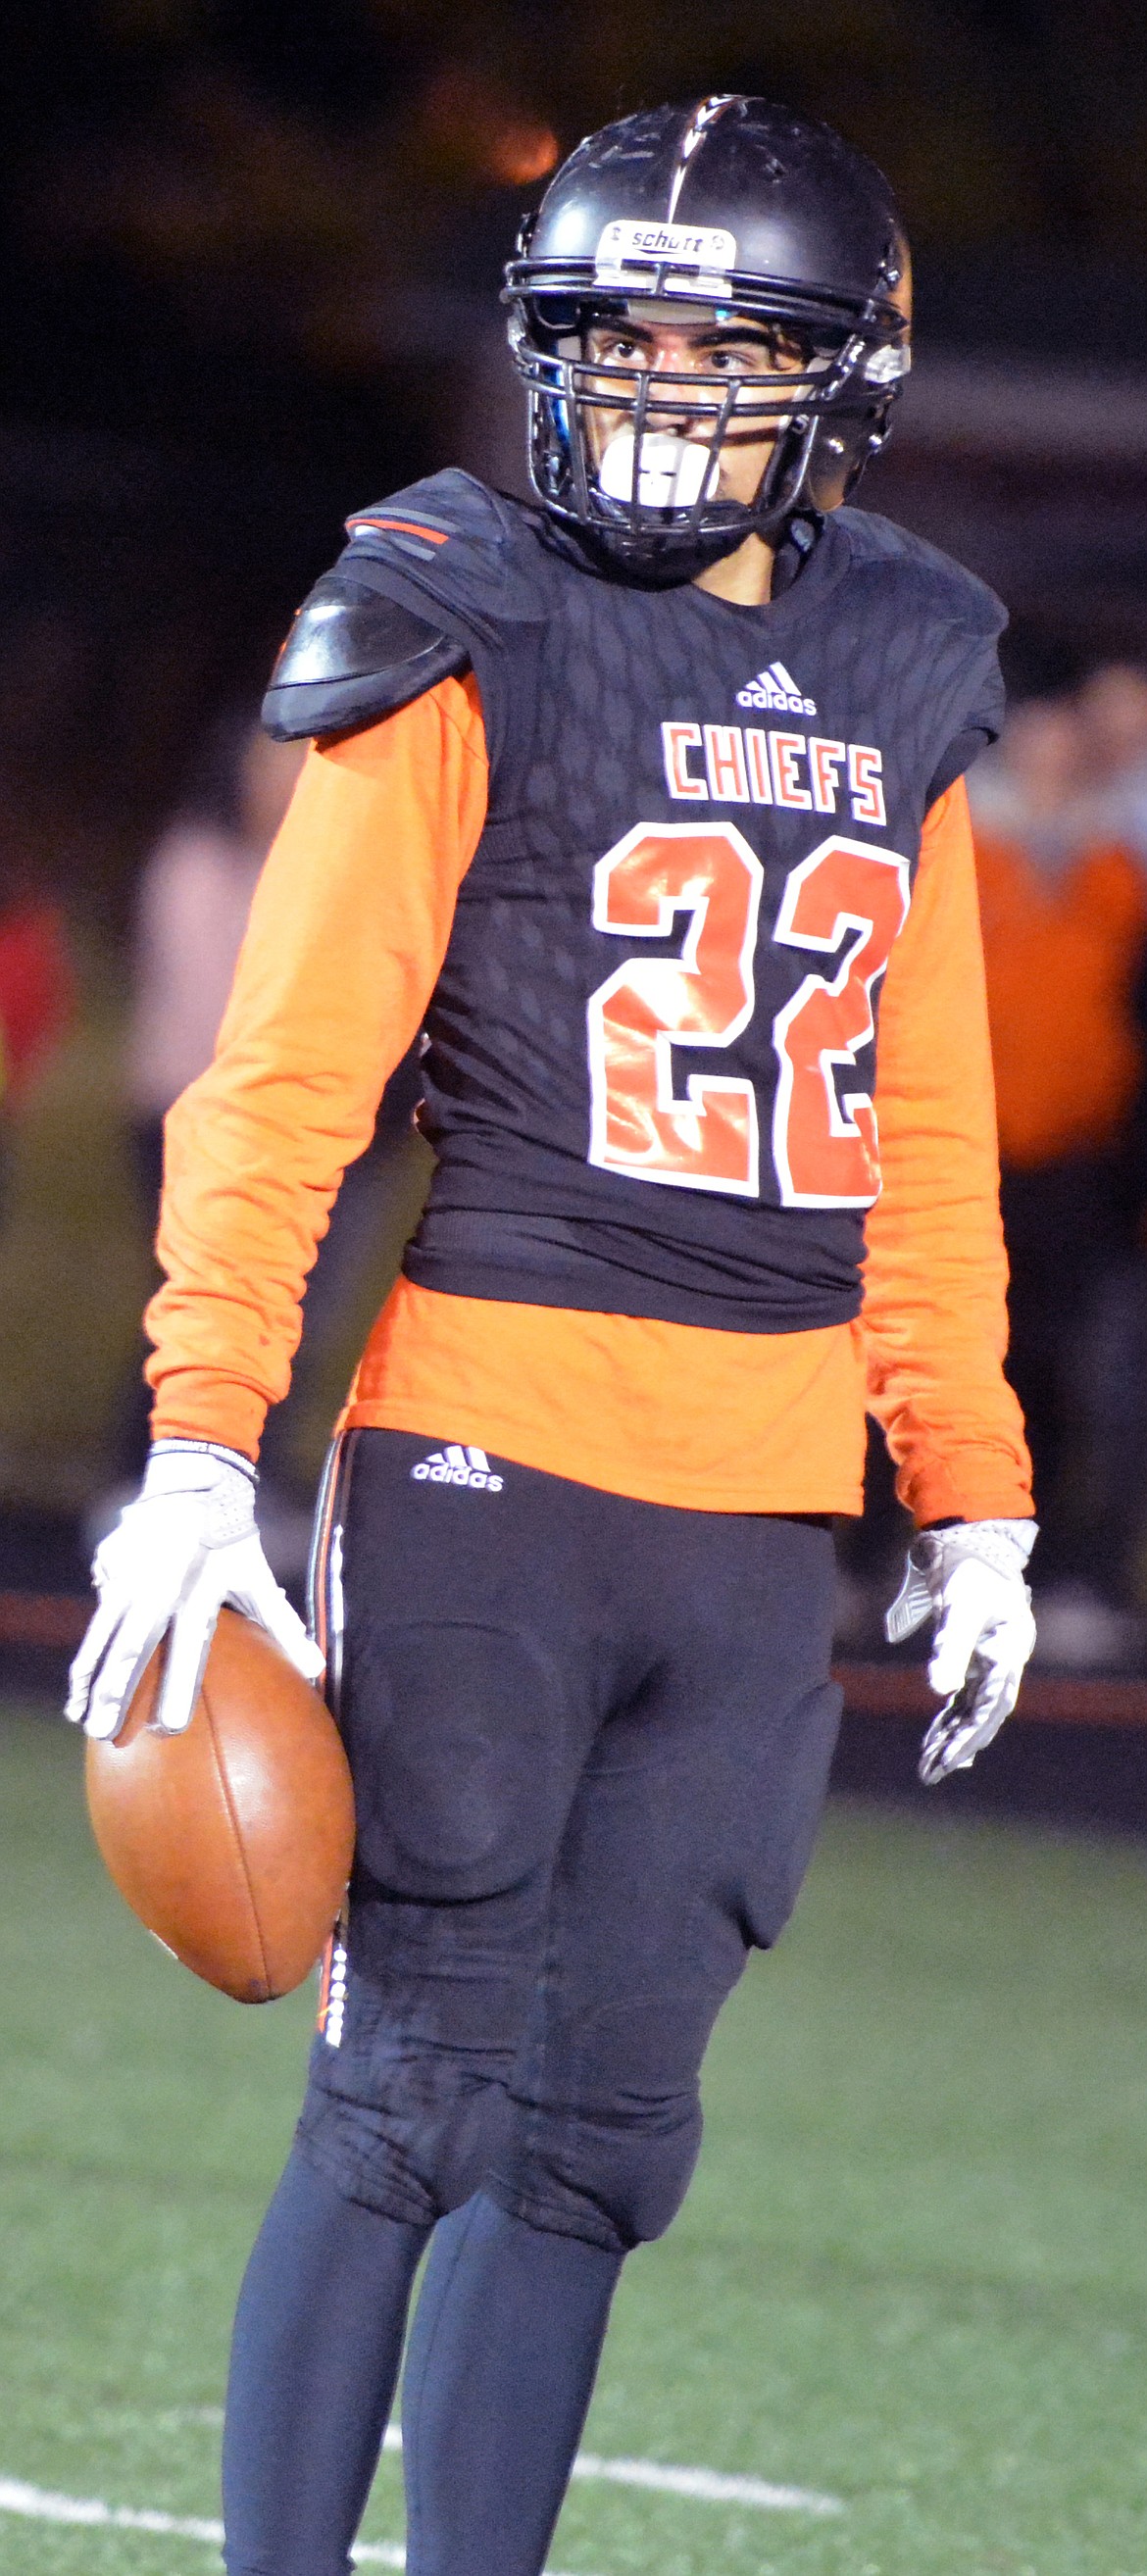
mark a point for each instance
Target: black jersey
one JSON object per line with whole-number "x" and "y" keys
{"x": 652, "y": 1044}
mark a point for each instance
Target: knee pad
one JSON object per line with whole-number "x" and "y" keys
{"x": 617, "y": 2185}
{"x": 603, "y": 2143}
{"x": 415, "y": 2160}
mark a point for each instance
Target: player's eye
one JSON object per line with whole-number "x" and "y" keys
{"x": 615, "y": 348}
{"x": 777, "y": 355}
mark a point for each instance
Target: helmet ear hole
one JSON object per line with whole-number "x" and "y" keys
{"x": 842, "y": 445}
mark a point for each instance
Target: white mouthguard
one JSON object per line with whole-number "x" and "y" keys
{"x": 671, "y": 471}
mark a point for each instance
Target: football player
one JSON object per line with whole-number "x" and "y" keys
{"x": 647, "y": 802}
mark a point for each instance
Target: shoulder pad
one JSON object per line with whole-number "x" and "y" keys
{"x": 475, "y": 553}
{"x": 353, "y": 655}
{"x": 944, "y": 585}
{"x": 429, "y": 578}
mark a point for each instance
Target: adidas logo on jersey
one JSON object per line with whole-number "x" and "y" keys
{"x": 776, "y": 687}
{"x": 455, "y": 1466}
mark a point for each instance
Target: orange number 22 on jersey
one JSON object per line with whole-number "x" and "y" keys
{"x": 704, "y": 997}
{"x": 824, "y": 1143}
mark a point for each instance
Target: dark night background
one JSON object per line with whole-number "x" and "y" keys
{"x": 250, "y": 265}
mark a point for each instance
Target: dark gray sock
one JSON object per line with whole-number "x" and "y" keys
{"x": 314, "y": 2360}
{"x": 503, "y": 2355}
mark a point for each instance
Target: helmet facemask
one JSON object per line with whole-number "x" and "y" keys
{"x": 633, "y": 455}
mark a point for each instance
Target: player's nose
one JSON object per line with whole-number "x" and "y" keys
{"x": 675, "y": 402}
{"x": 672, "y": 358}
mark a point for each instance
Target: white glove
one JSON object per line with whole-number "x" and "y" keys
{"x": 969, "y": 1577}
{"x": 184, "y": 1547}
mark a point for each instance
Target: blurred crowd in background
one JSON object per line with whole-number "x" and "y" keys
{"x": 249, "y": 282}
{"x": 1059, "y": 811}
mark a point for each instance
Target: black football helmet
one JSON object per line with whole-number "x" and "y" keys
{"x": 737, "y": 206}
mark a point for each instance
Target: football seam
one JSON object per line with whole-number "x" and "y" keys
{"x": 233, "y": 1821}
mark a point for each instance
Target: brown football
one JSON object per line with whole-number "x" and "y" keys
{"x": 232, "y": 1842}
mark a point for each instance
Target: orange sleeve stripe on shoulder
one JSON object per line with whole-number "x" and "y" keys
{"x": 935, "y": 1313}
{"x": 347, "y": 934}
{"x": 404, "y": 528}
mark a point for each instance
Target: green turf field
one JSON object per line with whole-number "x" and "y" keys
{"x": 911, "y": 2275}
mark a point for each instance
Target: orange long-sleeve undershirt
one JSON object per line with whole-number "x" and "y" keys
{"x": 348, "y": 931}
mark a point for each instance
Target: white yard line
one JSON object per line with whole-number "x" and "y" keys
{"x": 702, "y": 2486}
{"x": 706, "y": 2486}
{"x": 37, "y": 2504}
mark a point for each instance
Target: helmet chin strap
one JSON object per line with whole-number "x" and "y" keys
{"x": 659, "y": 470}
{"x": 673, "y": 559}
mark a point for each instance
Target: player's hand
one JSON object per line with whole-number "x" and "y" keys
{"x": 184, "y": 1547}
{"x": 970, "y": 1579}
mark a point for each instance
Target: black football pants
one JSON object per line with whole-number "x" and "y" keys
{"x": 589, "y": 1739}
